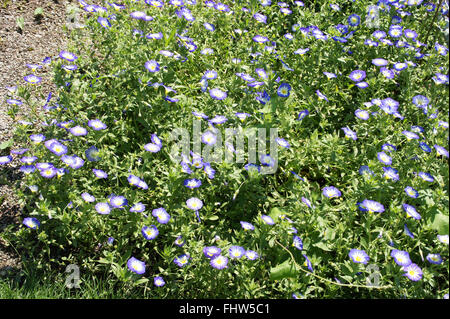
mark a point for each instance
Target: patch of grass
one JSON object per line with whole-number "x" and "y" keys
{"x": 36, "y": 285}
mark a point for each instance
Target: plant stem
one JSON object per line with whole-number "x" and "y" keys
{"x": 330, "y": 281}
{"x": 432, "y": 22}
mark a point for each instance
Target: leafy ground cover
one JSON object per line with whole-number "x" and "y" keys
{"x": 351, "y": 201}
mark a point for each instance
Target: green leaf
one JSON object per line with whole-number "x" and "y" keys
{"x": 104, "y": 261}
{"x": 6, "y": 144}
{"x": 266, "y": 109}
{"x": 322, "y": 246}
{"x": 214, "y": 217}
{"x": 20, "y": 23}
{"x": 141, "y": 281}
{"x": 275, "y": 213}
{"x": 440, "y": 223}
{"x": 38, "y": 12}
{"x": 271, "y": 242}
{"x": 330, "y": 234}
{"x": 286, "y": 269}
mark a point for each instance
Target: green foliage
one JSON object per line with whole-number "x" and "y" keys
{"x": 112, "y": 84}
{"x": 20, "y": 23}
{"x": 38, "y": 12}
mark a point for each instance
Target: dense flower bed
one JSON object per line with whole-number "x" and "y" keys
{"x": 350, "y": 201}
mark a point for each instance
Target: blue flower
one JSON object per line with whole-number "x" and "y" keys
{"x": 267, "y": 219}
{"x": 301, "y": 51}
{"x": 209, "y": 171}
{"x": 411, "y": 192}
{"x": 395, "y": 31}
{"x": 179, "y": 241}
{"x": 194, "y": 203}
{"x": 359, "y": 256}
{"x": 434, "y": 259}
{"x": 251, "y": 255}
{"x": 247, "y": 226}
{"x": 380, "y": 62}
{"x": 297, "y": 243}
{"x": 67, "y": 56}
{"x": 78, "y": 131}
{"x": 354, "y": 20}
{"x": 136, "y": 266}
{"x": 92, "y": 154}
{"x": 307, "y": 202}
{"x": 218, "y": 119}
{"x": 100, "y": 173}
{"x": 211, "y": 251}
{"x": 282, "y": 142}
{"x": 391, "y": 173}
{"x": 155, "y": 36}
{"x": 103, "y": 208}
{"x": 104, "y": 22}
{"x": 217, "y": 94}
{"x": 401, "y": 257}
{"x": 136, "y": 181}
{"x": 302, "y": 115}
{"x": 407, "y": 231}
{"x": 210, "y": 75}
{"x": 209, "y": 138}
{"x": 88, "y": 197}
{"x": 159, "y": 281}
{"x": 150, "y": 233}
{"x": 5, "y": 159}
{"x": 411, "y": 211}
{"x": 118, "y": 201}
{"x": 32, "y": 79}
{"x": 260, "y": 39}
{"x": 372, "y": 206}
{"x": 161, "y": 215}
{"x": 152, "y": 66}
{"x": 426, "y": 177}
{"x": 219, "y": 262}
{"x": 192, "y": 183}
{"x": 262, "y": 97}
{"x": 209, "y": 26}
{"x": 321, "y": 95}
{"x": 331, "y": 191}
{"x": 97, "y": 125}
{"x": 182, "y": 260}
{"x": 137, "y": 208}
{"x": 443, "y": 239}
{"x": 284, "y": 90}
{"x": 242, "y": 116}
{"x": 357, "y": 75}
{"x": 236, "y": 252}
{"x": 31, "y": 222}
{"x": 389, "y": 74}
{"x": 388, "y": 147}
{"x": 362, "y": 85}
{"x": 48, "y": 172}
{"x": 413, "y": 272}
{"x": 384, "y": 158}
{"x": 267, "y": 160}
{"x": 138, "y": 15}
{"x": 308, "y": 263}
{"x": 441, "y": 150}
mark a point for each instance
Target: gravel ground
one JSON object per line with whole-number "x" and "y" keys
{"x": 39, "y": 38}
